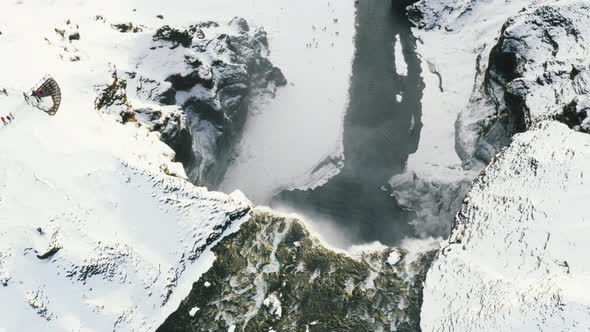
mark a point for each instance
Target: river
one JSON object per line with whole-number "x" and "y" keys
{"x": 380, "y": 132}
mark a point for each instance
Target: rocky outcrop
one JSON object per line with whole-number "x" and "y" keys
{"x": 114, "y": 96}
{"x": 127, "y": 27}
{"x": 65, "y": 39}
{"x": 538, "y": 70}
{"x": 194, "y": 86}
{"x": 217, "y": 89}
{"x": 272, "y": 275}
{"x": 440, "y": 14}
{"x": 513, "y": 261}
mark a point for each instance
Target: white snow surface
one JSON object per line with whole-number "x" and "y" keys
{"x": 453, "y": 55}
{"x": 89, "y": 187}
{"x": 517, "y": 259}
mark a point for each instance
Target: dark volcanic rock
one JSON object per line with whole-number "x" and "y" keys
{"x": 175, "y": 36}
{"x": 276, "y": 75}
{"x": 575, "y": 114}
{"x": 187, "y": 82}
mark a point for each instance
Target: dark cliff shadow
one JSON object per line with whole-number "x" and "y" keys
{"x": 379, "y": 133}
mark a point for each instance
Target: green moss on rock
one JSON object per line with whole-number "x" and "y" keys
{"x": 272, "y": 275}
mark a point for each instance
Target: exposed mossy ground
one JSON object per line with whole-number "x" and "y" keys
{"x": 317, "y": 289}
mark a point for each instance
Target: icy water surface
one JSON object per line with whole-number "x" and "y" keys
{"x": 380, "y": 132}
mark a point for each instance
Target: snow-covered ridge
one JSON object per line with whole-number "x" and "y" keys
{"x": 99, "y": 230}
{"x": 538, "y": 70}
{"x": 515, "y": 258}
{"x": 95, "y": 236}
{"x": 456, "y": 40}
{"x": 193, "y": 84}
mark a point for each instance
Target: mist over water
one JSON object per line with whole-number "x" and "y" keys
{"x": 380, "y": 133}
{"x": 286, "y": 136}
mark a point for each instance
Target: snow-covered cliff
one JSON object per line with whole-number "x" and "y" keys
{"x": 100, "y": 230}
{"x": 537, "y": 70}
{"x": 452, "y": 36}
{"x": 95, "y": 235}
{"x": 515, "y": 258}
{"x": 194, "y": 85}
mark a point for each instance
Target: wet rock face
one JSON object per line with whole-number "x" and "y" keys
{"x": 198, "y": 82}
{"x": 273, "y": 275}
{"x": 538, "y": 70}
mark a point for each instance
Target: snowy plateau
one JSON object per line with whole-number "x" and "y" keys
{"x": 126, "y": 210}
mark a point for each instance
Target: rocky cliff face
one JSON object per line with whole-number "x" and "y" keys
{"x": 273, "y": 275}
{"x": 514, "y": 259}
{"x": 538, "y": 70}
{"x": 194, "y": 86}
